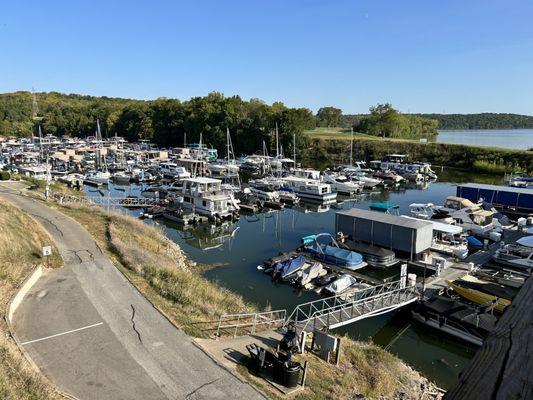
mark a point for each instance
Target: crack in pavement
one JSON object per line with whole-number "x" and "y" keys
{"x": 133, "y": 323}
{"x": 49, "y": 221}
{"x": 201, "y": 387}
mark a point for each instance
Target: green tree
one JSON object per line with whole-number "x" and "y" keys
{"x": 328, "y": 116}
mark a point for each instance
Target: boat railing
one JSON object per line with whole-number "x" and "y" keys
{"x": 249, "y": 323}
{"x": 347, "y": 307}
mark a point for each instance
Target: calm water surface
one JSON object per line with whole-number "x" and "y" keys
{"x": 238, "y": 248}
{"x": 509, "y": 138}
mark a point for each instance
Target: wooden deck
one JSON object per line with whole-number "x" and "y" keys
{"x": 503, "y": 367}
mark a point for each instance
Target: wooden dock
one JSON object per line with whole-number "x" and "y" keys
{"x": 503, "y": 367}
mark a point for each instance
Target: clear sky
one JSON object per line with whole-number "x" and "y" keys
{"x": 422, "y": 56}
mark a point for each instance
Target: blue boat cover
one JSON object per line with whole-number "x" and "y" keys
{"x": 335, "y": 255}
{"x": 383, "y": 207}
{"x": 474, "y": 241}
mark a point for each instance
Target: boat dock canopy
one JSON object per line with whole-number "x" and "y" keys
{"x": 502, "y": 196}
{"x": 442, "y": 227}
{"x": 389, "y": 231}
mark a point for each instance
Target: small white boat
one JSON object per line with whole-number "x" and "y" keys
{"x": 340, "y": 285}
{"x": 341, "y": 184}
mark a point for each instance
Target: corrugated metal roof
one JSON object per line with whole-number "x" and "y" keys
{"x": 386, "y": 218}
{"x": 497, "y": 187}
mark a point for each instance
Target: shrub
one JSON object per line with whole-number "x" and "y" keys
{"x": 5, "y": 176}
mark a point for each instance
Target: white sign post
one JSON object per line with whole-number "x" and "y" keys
{"x": 47, "y": 251}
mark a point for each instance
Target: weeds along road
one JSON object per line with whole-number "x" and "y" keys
{"x": 96, "y": 337}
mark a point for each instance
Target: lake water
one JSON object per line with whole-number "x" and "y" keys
{"x": 238, "y": 248}
{"x": 508, "y": 138}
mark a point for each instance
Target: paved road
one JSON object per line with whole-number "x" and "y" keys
{"x": 94, "y": 336}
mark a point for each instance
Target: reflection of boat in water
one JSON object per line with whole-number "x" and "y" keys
{"x": 209, "y": 236}
{"x": 306, "y": 207}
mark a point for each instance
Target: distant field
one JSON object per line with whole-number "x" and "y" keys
{"x": 344, "y": 134}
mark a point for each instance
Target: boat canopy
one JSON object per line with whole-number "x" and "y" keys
{"x": 383, "y": 207}
{"x": 442, "y": 227}
{"x": 525, "y": 241}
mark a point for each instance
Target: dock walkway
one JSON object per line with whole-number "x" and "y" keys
{"x": 502, "y": 368}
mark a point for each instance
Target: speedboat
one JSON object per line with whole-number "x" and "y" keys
{"x": 515, "y": 256}
{"x": 330, "y": 252}
{"x": 309, "y": 273}
{"x": 341, "y": 184}
{"x": 97, "y": 178}
{"x": 284, "y": 269}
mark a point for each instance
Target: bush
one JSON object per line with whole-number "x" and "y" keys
{"x": 5, "y": 176}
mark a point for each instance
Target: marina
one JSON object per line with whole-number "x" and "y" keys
{"x": 332, "y": 240}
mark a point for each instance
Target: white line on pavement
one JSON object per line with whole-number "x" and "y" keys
{"x": 62, "y": 333}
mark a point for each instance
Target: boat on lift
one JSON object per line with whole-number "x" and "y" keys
{"x": 324, "y": 248}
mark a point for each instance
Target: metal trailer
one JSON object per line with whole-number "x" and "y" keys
{"x": 398, "y": 233}
{"x": 520, "y": 199}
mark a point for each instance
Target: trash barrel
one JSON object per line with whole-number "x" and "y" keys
{"x": 290, "y": 374}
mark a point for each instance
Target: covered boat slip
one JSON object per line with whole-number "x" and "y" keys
{"x": 397, "y": 233}
{"x": 520, "y": 199}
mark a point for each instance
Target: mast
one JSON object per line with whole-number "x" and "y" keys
{"x": 294, "y": 148}
{"x": 351, "y": 146}
{"x": 100, "y": 143}
{"x": 277, "y": 141}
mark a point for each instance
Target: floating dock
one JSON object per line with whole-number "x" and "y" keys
{"x": 514, "y": 200}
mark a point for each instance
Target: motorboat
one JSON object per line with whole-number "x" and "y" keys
{"x": 323, "y": 247}
{"x": 97, "y": 178}
{"x": 462, "y": 212}
{"x": 341, "y": 184}
{"x": 457, "y": 319}
{"x": 448, "y": 239}
{"x": 484, "y": 292}
{"x": 309, "y": 273}
{"x": 284, "y": 269}
{"x": 340, "y": 285}
{"x": 154, "y": 192}
{"x": 515, "y": 256}
{"x": 173, "y": 171}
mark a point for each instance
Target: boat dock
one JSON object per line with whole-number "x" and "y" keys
{"x": 501, "y": 368}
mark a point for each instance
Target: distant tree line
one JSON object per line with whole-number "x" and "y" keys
{"x": 166, "y": 122}
{"x": 482, "y": 121}
{"x": 459, "y": 121}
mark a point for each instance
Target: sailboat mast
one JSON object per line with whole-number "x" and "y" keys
{"x": 294, "y": 148}
{"x": 351, "y": 146}
{"x": 277, "y": 141}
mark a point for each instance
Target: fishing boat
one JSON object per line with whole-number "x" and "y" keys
{"x": 323, "y": 247}
{"x": 454, "y": 318}
{"x": 483, "y": 292}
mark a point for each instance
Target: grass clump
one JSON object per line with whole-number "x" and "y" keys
{"x": 159, "y": 268}
{"x": 21, "y": 241}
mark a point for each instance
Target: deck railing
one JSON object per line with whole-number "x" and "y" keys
{"x": 342, "y": 309}
{"x": 241, "y": 324}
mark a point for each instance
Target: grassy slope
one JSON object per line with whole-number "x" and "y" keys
{"x": 21, "y": 240}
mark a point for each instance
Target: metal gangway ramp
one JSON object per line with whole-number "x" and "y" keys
{"x": 107, "y": 201}
{"x": 343, "y": 309}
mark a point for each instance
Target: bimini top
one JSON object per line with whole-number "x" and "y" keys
{"x": 383, "y": 207}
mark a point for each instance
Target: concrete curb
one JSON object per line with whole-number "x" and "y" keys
{"x": 12, "y": 306}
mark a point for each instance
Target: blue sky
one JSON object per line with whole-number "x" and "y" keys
{"x": 422, "y": 56}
